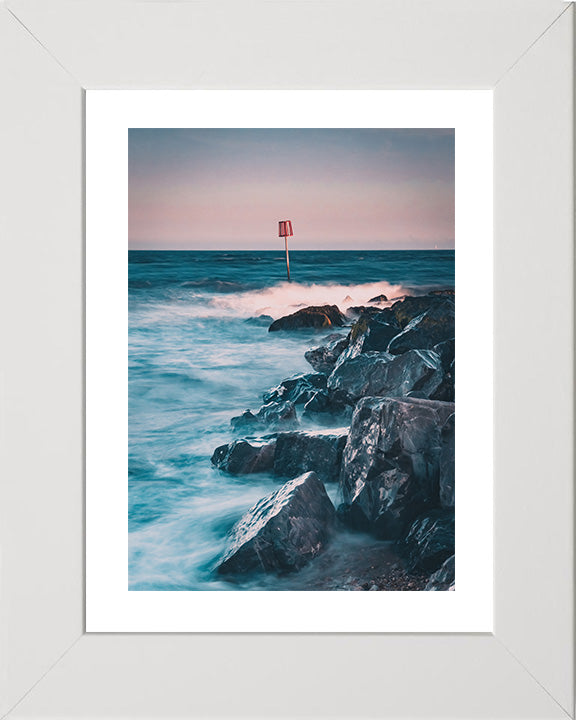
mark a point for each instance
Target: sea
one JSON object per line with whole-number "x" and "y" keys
{"x": 199, "y": 354}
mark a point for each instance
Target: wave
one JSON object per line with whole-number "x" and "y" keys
{"x": 286, "y": 298}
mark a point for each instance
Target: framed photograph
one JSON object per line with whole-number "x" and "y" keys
{"x": 150, "y": 602}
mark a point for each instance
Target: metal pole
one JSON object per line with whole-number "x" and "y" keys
{"x": 287, "y": 258}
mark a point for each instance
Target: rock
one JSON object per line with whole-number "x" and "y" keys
{"x": 281, "y": 414}
{"x": 447, "y": 465}
{"x": 283, "y": 531}
{"x": 443, "y": 579}
{"x": 430, "y": 541}
{"x": 260, "y": 321}
{"x": 378, "y": 299}
{"x": 310, "y": 317}
{"x": 298, "y": 389}
{"x": 324, "y": 358}
{"x": 445, "y": 292}
{"x": 247, "y": 422}
{"x": 433, "y": 326}
{"x": 391, "y": 463}
{"x": 446, "y": 352}
{"x": 359, "y": 310}
{"x": 411, "y": 306}
{"x": 417, "y": 373}
{"x": 300, "y": 452}
{"x": 369, "y": 334}
{"x": 241, "y": 458}
{"x": 323, "y": 408}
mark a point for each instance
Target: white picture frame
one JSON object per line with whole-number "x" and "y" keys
{"x": 55, "y": 49}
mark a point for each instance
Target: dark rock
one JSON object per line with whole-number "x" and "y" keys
{"x": 443, "y": 579}
{"x": 247, "y": 422}
{"x": 297, "y": 453}
{"x": 298, "y": 389}
{"x": 446, "y": 351}
{"x": 260, "y": 321}
{"x": 417, "y": 373}
{"x": 411, "y": 306}
{"x": 447, "y": 465}
{"x": 324, "y": 358}
{"x": 283, "y": 531}
{"x": 430, "y": 541}
{"x": 323, "y": 408}
{"x": 310, "y": 317}
{"x": 369, "y": 334}
{"x": 445, "y": 292}
{"x": 281, "y": 414}
{"x": 391, "y": 463}
{"x": 241, "y": 458}
{"x": 378, "y": 299}
{"x": 433, "y": 326}
{"x": 359, "y": 310}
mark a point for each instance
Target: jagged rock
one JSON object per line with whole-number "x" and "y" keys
{"x": 391, "y": 463}
{"x": 299, "y": 452}
{"x": 280, "y": 414}
{"x": 298, "y": 389}
{"x": 443, "y": 579}
{"x": 417, "y": 373}
{"x": 323, "y": 408}
{"x": 324, "y": 358}
{"x": 446, "y": 351}
{"x": 247, "y": 422}
{"x": 378, "y": 299}
{"x": 369, "y": 335}
{"x": 283, "y": 531}
{"x": 434, "y": 326}
{"x": 241, "y": 458}
{"x": 429, "y": 542}
{"x": 445, "y": 292}
{"x": 310, "y": 317}
{"x": 359, "y": 310}
{"x": 260, "y": 320}
{"x": 447, "y": 465}
{"x": 411, "y": 306}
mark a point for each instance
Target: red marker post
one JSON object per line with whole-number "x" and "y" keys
{"x": 285, "y": 231}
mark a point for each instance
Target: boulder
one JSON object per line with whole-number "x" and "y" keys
{"x": 359, "y": 310}
{"x": 324, "y": 358}
{"x": 247, "y": 422}
{"x": 283, "y": 531}
{"x": 446, "y": 351}
{"x": 433, "y": 326}
{"x": 378, "y": 299}
{"x": 321, "y": 316}
{"x": 323, "y": 408}
{"x": 280, "y": 414}
{"x": 391, "y": 463}
{"x": 411, "y": 306}
{"x": 369, "y": 334}
{"x": 429, "y": 541}
{"x": 300, "y": 452}
{"x": 444, "y": 292}
{"x": 240, "y": 457}
{"x": 447, "y": 465}
{"x": 297, "y": 389}
{"x": 443, "y": 578}
{"x": 417, "y": 373}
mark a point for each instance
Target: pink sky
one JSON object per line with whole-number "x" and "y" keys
{"x": 227, "y": 189}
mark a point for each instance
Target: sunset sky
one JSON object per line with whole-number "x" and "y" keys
{"x": 342, "y": 189}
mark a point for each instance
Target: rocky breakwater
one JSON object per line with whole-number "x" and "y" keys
{"x": 390, "y": 376}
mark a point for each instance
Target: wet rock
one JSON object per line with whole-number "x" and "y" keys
{"x": 362, "y": 310}
{"x": 310, "y": 317}
{"x": 443, "y": 579}
{"x": 446, "y": 351}
{"x": 391, "y": 463}
{"x": 369, "y": 335}
{"x": 241, "y": 457}
{"x": 425, "y": 331}
{"x": 281, "y": 414}
{"x": 260, "y": 320}
{"x": 378, "y": 299}
{"x": 300, "y": 452}
{"x": 323, "y": 408}
{"x": 411, "y": 306}
{"x": 444, "y": 292}
{"x": 283, "y": 531}
{"x": 447, "y": 468}
{"x": 297, "y": 389}
{"x": 417, "y": 373}
{"x": 324, "y": 358}
{"x": 247, "y": 422}
{"x": 430, "y": 541}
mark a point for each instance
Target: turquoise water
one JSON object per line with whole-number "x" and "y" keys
{"x": 196, "y": 359}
